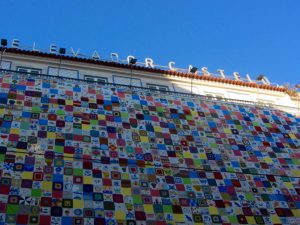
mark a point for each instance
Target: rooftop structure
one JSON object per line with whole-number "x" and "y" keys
{"x": 141, "y": 74}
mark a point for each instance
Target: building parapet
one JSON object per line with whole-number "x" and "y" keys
{"x": 158, "y": 70}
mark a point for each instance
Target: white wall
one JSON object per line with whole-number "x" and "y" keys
{"x": 174, "y": 83}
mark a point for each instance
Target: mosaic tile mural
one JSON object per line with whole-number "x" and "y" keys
{"x": 80, "y": 153}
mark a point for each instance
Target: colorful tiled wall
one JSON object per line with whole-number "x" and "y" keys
{"x": 81, "y": 153}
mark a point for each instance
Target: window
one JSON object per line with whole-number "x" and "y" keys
{"x": 239, "y": 96}
{"x": 158, "y": 87}
{"x": 6, "y": 65}
{"x": 127, "y": 81}
{"x": 209, "y": 96}
{"x": 214, "y": 96}
{"x": 96, "y": 79}
{"x": 265, "y": 102}
{"x": 29, "y": 70}
{"x": 219, "y": 97}
{"x": 182, "y": 88}
{"x": 55, "y": 71}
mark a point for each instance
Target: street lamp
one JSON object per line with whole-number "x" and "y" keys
{"x": 3, "y": 46}
{"x": 192, "y": 70}
{"x": 62, "y": 51}
{"x": 132, "y": 62}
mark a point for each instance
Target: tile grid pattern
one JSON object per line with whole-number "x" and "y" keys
{"x": 82, "y": 153}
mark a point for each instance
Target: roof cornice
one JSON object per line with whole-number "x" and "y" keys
{"x": 145, "y": 69}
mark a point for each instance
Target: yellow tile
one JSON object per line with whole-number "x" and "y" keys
{"x": 120, "y": 215}
{"x": 22, "y": 151}
{"x": 51, "y": 135}
{"x": 78, "y": 203}
{"x": 157, "y": 129}
{"x": 126, "y": 191}
{"x": 47, "y": 185}
{"x": 69, "y": 102}
{"x": 69, "y": 157}
{"x": 85, "y": 127}
{"x": 21, "y": 154}
{"x": 27, "y": 175}
{"x": 275, "y": 219}
{"x": 268, "y": 160}
{"x": 144, "y": 139}
{"x": 178, "y": 217}
{"x": 149, "y": 165}
{"x": 194, "y": 113}
{"x": 250, "y": 219}
{"x": 187, "y": 155}
{"x": 288, "y": 184}
{"x": 227, "y": 131}
{"x": 148, "y": 208}
{"x": 105, "y": 174}
{"x": 213, "y": 210}
{"x": 296, "y": 173}
{"x": 101, "y": 117}
{"x": 14, "y": 131}
{"x": 125, "y": 176}
{"x": 202, "y": 156}
{"x": 87, "y": 180}
{"x": 296, "y": 212}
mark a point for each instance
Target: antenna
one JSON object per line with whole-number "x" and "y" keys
{"x": 263, "y": 79}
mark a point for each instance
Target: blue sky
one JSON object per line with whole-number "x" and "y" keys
{"x": 249, "y": 36}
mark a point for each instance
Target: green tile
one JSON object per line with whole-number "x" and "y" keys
{"x": 233, "y": 219}
{"x": 230, "y": 169}
{"x": 239, "y": 127}
{"x": 10, "y": 219}
{"x": 197, "y": 162}
{"x": 249, "y": 197}
{"x": 295, "y": 161}
{"x": 59, "y": 149}
{"x": 189, "y": 117}
{"x": 130, "y": 149}
{"x": 36, "y": 109}
{"x": 167, "y": 209}
{"x": 60, "y": 112}
{"x": 25, "y": 125}
{"x": 186, "y": 180}
{"x": 226, "y": 196}
{"x": 36, "y": 192}
{"x": 159, "y": 109}
{"x": 68, "y": 171}
{"x": 213, "y": 145}
{"x": 137, "y": 199}
{"x": 94, "y": 122}
{"x": 77, "y": 172}
{"x": 124, "y": 115}
{"x": 12, "y": 209}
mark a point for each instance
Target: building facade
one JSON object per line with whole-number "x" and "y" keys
{"x": 93, "y": 142}
{"x": 214, "y": 86}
